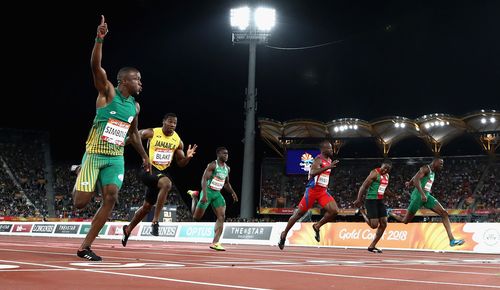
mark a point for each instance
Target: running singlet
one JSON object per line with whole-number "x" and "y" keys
{"x": 377, "y": 188}
{"x": 218, "y": 178}
{"x": 162, "y": 148}
{"x": 110, "y": 127}
{"x": 321, "y": 180}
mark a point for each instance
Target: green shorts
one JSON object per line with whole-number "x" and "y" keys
{"x": 102, "y": 169}
{"x": 416, "y": 201}
{"x": 214, "y": 198}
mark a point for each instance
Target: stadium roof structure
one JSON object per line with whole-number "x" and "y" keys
{"x": 436, "y": 129}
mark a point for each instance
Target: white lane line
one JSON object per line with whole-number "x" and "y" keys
{"x": 138, "y": 276}
{"x": 374, "y": 278}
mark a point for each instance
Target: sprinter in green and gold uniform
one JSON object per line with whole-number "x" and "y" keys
{"x": 421, "y": 196}
{"x": 215, "y": 177}
{"x": 115, "y": 120}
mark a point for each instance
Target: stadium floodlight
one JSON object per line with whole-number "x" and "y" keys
{"x": 265, "y": 18}
{"x": 483, "y": 120}
{"x": 250, "y": 26}
{"x": 403, "y": 125}
{"x": 355, "y": 127}
{"x": 493, "y": 120}
{"x": 396, "y": 125}
{"x": 240, "y": 17}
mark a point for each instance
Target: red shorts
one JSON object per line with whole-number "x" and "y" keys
{"x": 311, "y": 195}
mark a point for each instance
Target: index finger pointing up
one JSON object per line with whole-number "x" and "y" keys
{"x": 102, "y": 19}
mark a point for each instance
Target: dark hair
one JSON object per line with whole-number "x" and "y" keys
{"x": 387, "y": 161}
{"x": 219, "y": 149}
{"x": 171, "y": 115}
{"x": 124, "y": 71}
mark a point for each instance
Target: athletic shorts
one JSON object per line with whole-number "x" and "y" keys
{"x": 214, "y": 198}
{"x": 311, "y": 195}
{"x": 150, "y": 179}
{"x": 416, "y": 201}
{"x": 102, "y": 169}
{"x": 375, "y": 208}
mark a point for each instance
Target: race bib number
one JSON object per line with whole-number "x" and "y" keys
{"x": 323, "y": 180}
{"x": 115, "y": 132}
{"x": 216, "y": 184}
{"x": 428, "y": 185}
{"x": 162, "y": 156}
{"x": 381, "y": 189}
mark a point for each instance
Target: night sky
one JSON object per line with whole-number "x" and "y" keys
{"x": 406, "y": 58}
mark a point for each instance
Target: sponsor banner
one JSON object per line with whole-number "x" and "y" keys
{"x": 486, "y": 235}
{"x": 430, "y": 236}
{"x": 43, "y": 228}
{"x": 86, "y": 227}
{"x": 117, "y": 230}
{"x": 67, "y": 229}
{"x": 197, "y": 231}
{"x": 164, "y": 231}
{"x": 22, "y": 228}
{"x": 247, "y": 232}
{"x": 5, "y": 228}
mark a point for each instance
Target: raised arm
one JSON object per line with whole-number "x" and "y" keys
{"x": 181, "y": 159}
{"x": 103, "y": 86}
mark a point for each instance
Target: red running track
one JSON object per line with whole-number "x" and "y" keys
{"x": 51, "y": 263}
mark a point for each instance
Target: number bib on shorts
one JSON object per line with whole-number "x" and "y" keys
{"x": 162, "y": 156}
{"x": 115, "y": 132}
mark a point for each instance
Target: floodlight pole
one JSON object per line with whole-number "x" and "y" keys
{"x": 247, "y": 187}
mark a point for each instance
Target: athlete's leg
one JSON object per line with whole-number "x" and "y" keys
{"x": 200, "y": 208}
{"x": 331, "y": 210}
{"x": 297, "y": 214}
{"x": 139, "y": 216}
{"x": 382, "y": 225}
{"x": 164, "y": 185}
{"x": 446, "y": 220}
{"x": 85, "y": 181}
{"x": 220, "y": 213}
{"x": 109, "y": 198}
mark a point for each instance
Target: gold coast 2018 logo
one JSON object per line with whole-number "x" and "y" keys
{"x": 306, "y": 160}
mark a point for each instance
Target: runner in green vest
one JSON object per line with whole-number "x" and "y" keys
{"x": 215, "y": 177}
{"x": 115, "y": 121}
{"x": 421, "y": 196}
{"x": 376, "y": 214}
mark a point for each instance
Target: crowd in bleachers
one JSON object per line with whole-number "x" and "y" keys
{"x": 25, "y": 162}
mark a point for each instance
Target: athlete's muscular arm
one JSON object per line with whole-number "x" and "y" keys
{"x": 103, "y": 86}
{"x": 181, "y": 159}
{"x": 317, "y": 169}
{"x": 364, "y": 187}
{"x": 424, "y": 170}
{"x": 228, "y": 187}
{"x": 135, "y": 140}
{"x": 146, "y": 133}
{"x": 204, "y": 180}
